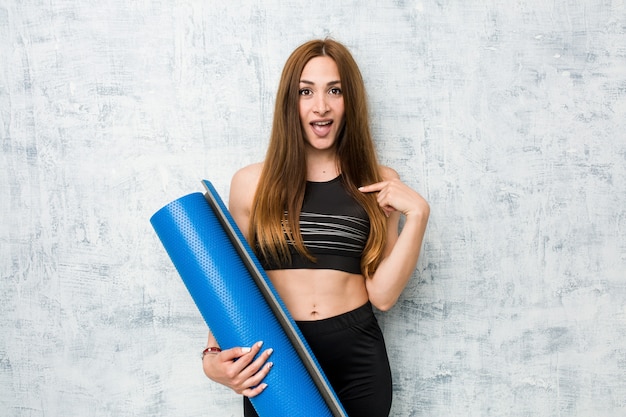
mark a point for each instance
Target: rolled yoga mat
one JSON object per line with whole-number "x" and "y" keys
{"x": 240, "y": 305}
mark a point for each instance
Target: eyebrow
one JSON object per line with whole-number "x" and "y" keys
{"x": 327, "y": 84}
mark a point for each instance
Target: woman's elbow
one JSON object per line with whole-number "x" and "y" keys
{"x": 382, "y": 303}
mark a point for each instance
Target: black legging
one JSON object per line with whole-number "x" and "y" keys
{"x": 351, "y": 350}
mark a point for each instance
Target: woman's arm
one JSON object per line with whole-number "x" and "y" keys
{"x": 242, "y": 189}
{"x": 401, "y": 251}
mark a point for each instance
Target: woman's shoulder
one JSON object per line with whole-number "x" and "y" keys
{"x": 387, "y": 173}
{"x": 249, "y": 174}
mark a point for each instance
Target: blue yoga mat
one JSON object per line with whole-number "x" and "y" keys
{"x": 240, "y": 305}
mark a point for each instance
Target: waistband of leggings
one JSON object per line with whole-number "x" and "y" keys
{"x": 340, "y": 322}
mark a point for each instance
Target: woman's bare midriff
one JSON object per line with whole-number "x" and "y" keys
{"x": 316, "y": 294}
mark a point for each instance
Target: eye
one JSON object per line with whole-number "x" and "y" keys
{"x": 305, "y": 92}
{"x": 335, "y": 91}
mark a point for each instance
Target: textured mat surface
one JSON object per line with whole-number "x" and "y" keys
{"x": 239, "y": 304}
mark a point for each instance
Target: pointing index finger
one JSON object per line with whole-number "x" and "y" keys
{"x": 372, "y": 187}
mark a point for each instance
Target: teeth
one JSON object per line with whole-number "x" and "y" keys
{"x": 322, "y": 123}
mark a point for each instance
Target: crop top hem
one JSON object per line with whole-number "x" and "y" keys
{"x": 323, "y": 261}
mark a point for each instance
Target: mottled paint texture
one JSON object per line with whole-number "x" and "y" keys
{"x": 509, "y": 117}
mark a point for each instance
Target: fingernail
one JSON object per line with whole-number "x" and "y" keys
{"x": 259, "y": 344}
{"x": 263, "y": 385}
{"x": 270, "y": 351}
{"x": 270, "y": 364}
{"x": 245, "y": 350}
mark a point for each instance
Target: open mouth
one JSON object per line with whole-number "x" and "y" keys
{"x": 321, "y": 128}
{"x": 325, "y": 123}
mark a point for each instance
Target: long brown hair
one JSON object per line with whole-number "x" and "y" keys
{"x": 275, "y": 215}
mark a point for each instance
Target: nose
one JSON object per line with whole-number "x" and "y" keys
{"x": 321, "y": 106}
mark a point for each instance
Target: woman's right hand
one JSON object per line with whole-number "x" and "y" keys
{"x": 237, "y": 369}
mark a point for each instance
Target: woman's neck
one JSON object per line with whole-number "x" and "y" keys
{"x": 321, "y": 166}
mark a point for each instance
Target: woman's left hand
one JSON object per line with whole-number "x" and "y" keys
{"x": 394, "y": 195}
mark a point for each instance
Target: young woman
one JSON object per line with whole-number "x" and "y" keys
{"x": 323, "y": 217}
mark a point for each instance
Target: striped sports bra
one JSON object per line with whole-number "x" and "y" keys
{"x": 334, "y": 228}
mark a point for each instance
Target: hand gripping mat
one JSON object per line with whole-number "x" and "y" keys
{"x": 240, "y": 305}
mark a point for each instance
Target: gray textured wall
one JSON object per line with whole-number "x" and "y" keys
{"x": 509, "y": 117}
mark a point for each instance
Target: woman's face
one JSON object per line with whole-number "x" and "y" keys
{"x": 321, "y": 102}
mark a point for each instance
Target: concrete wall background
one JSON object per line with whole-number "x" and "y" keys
{"x": 509, "y": 117}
